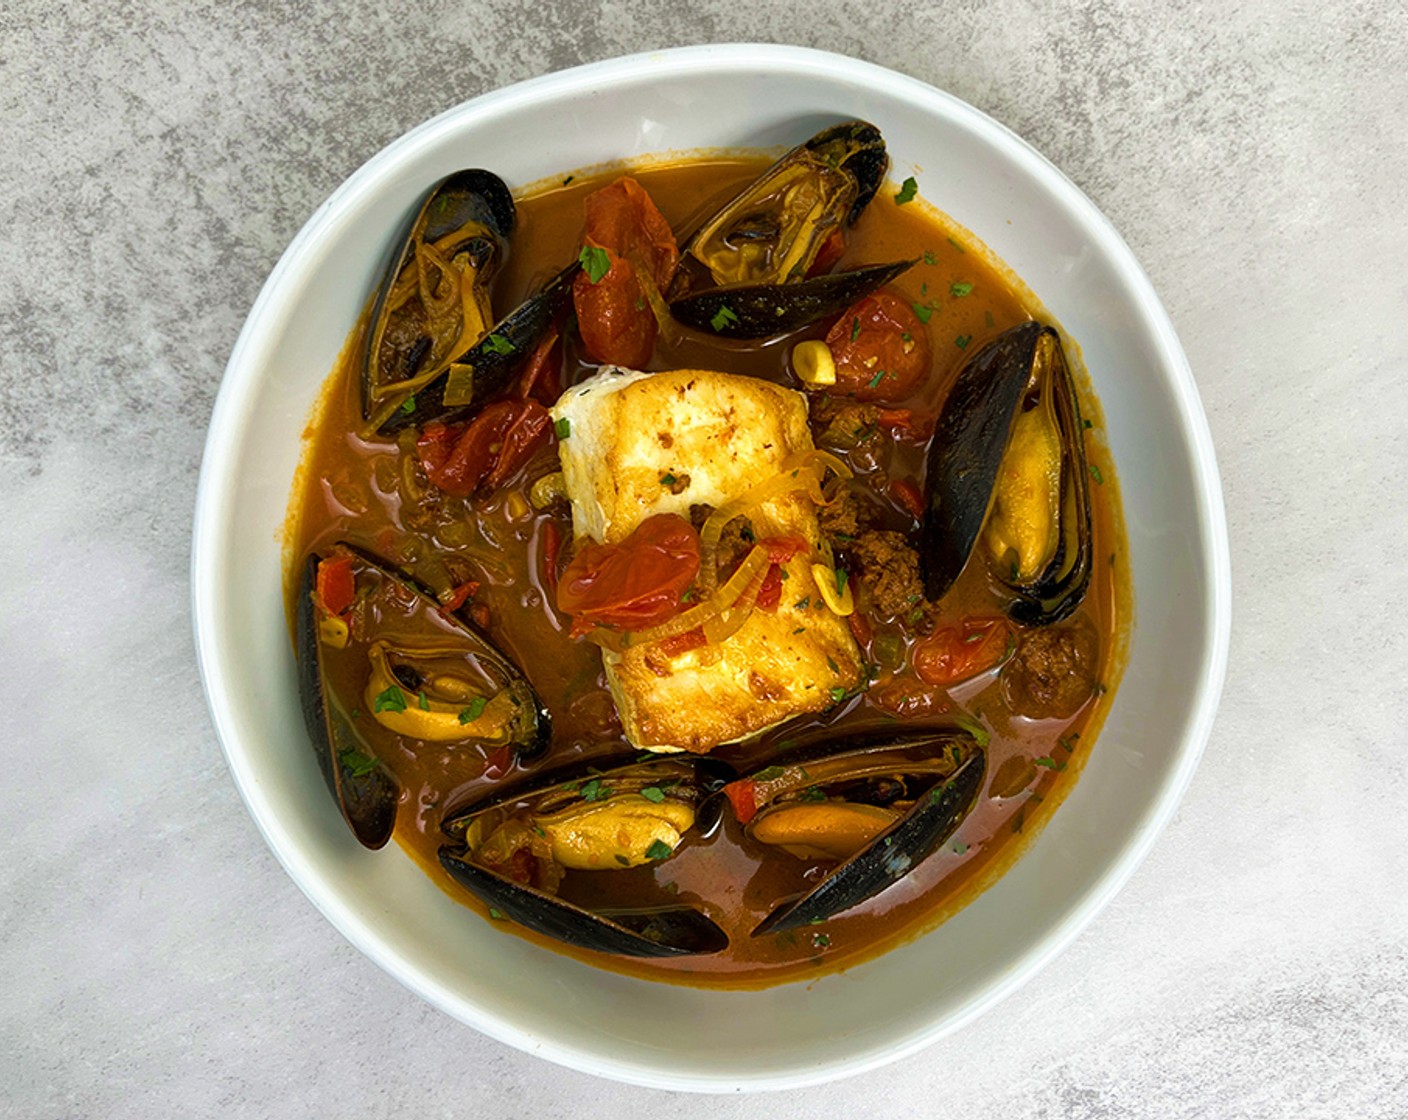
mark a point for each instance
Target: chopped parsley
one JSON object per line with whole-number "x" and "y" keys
{"x": 922, "y": 312}
{"x": 908, "y": 189}
{"x": 356, "y": 763}
{"x": 823, "y": 940}
{"x": 1050, "y": 763}
{"x": 497, "y": 915}
{"x": 1086, "y": 424}
{"x": 422, "y": 702}
{"x": 722, "y": 319}
{"x": 963, "y": 340}
{"x": 841, "y": 577}
{"x": 930, "y": 257}
{"x": 595, "y": 262}
{"x": 659, "y": 850}
{"x": 838, "y": 694}
{"x": 473, "y": 710}
{"x": 595, "y": 790}
{"x": 811, "y": 793}
{"x": 622, "y": 860}
{"x": 563, "y": 428}
{"x": 498, "y": 344}
{"x": 653, "y": 793}
{"x": 768, "y": 773}
{"x": 1095, "y": 474}
{"x": 960, "y": 289}
{"x": 668, "y": 479}
{"x": 855, "y": 328}
{"x": 959, "y": 847}
{"x": 409, "y": 404}
{"x": 391, "y": 699}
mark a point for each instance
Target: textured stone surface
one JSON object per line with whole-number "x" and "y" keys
{"x": 156, "y": 160}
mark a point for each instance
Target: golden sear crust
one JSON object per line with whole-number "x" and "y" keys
{"x": 633, "y": 437}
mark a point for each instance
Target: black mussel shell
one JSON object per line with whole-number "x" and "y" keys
{"x": 496, "y": 357}
{"x": 743, "y": 273}
{"x": 761, "y": 310}
{"x": 705, "y": 776}
{"x": 858, "y": 148}
{"x": 364, "y": 790}
{"x": 942, "y": 796}
{"x": 477, "y": 204}
{"x": 970, "y": 442}
{"x": 363, "y": 787}
{"x": 670, "y": 931}
{"x": 648, "y": 931}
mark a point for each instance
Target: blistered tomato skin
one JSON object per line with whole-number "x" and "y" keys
{"x": 881, "y": 349}
{"x": 636, "y": 583}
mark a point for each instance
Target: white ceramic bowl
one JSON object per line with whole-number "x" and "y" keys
{"x": 593, "y": 1020}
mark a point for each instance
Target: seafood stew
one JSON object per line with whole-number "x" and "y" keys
{"x": 708, "y": 570}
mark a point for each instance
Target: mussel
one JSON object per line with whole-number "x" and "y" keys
{"x": 1007, "y": 467}
{"x": 434, "y": 350}
{"x": 876, "y": 809}
{"x": 513, "y": 849}
{"x": 381, "y": 668}
{"x": 747, "y": 272}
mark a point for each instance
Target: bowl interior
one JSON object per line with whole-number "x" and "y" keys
{"x": 598, "y": 1021}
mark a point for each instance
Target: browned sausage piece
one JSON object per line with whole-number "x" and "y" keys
{"x": 1053, "y": 671}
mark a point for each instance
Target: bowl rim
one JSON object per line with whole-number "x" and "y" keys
{"x": 237, "y": 391}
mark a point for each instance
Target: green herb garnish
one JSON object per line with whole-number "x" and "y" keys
{"x": 855, "y": 328}
{"x": 811, "y": 793}
{"x": 595, "y": 790}
{"x": 473, "y": 710}
{"x": 768, "y": 773}
{"x": 922, "y": 312}
{"x": 955, "y": 244}
{"x": 930, "y": 257}
{"x": 356, "y": 763}
{"x": 960, "y": 288}
{"x": 963, "y": 340}
{"x": 408, "y": 405}
{"x": 563, "y": 428}
{"x": 391, "y": 699}
{"x": 838, "y": 694}
{"x": 595, "y": 262}
{"x": 908, "y": 189}
{"x": 659, "y": 850}
{"x": 823, "y": 940}
{"x": 497, "y": 915}
{"x": 722, "y": 318}
{"x": 422, "y": 702}
{"x": 653, "y": 793}
{"x": 1095, "y": 474}
{"x": 874, "y": 381}
{"x": 498, "y": 344}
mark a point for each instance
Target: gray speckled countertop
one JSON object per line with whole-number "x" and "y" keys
{"x": 157, "y": 158}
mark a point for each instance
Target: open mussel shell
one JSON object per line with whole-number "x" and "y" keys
{"x": 364, "y": 790}
{"x": 763, "y": 310}
{"x": 394, "y": 670}
{"x": 493, "y": 361}
{"x": 744, "y": 272}
{"x": 571, "y": 811}
{"x": 931, "y": 778}
{"x": 434, "y": 294}
{"x": 1014, "y": 394}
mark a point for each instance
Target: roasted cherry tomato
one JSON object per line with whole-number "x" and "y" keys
{"x": 487, "y": 451}
{"x": 636, "y": 583}
{"x": 959, "y": 653}
{"x": 613, "y": 312}
{"x": 880, "y": 348}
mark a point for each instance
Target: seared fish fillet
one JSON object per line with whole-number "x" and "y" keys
{"x": 635, "y": 439}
